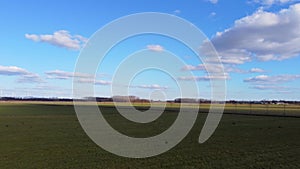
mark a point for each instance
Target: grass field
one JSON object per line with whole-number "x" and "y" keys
{"x": 49, "y": 136}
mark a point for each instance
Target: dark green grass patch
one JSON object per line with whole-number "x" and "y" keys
{"x": 49, "y": 136}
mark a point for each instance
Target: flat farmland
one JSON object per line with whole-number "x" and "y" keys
{"x": 48, "y": 135}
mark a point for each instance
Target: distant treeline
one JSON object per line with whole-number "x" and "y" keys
{"x": 137, "y": 99}
{"x": 33, "y": 99}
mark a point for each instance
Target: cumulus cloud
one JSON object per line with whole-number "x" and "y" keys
{"x": 61, "y": 38}
{"x": 263, "y": 35}
{"x": 155, "y": 48}
{"x": 24, "y": 75}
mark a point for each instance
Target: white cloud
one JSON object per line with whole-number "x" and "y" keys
{"x": 214, "y": 68}
{"x": 262, "y": 35}
{"x": 212, "y": 14}
{"x": 156, "y": 48}
{"x": 59, "y": 74}
{"x": 61, "y": 38}
{"x": 177, "y": 11}
{"x": 81, "y": 77}
{"x": 12, "y": 71}
{"x": 96, "y": 82}
{"x": 204, "y": 67}
{"x": 33, "y": 37}
{"x": 102, "y": 82}
{"x": 269, "y": 87}
{"x": 30, "y": 78}
{"x": 204, "y": 78}
{"x": 234, "y": 56}
{"x": 24, "y": 75}
{"x": 213, "y": 1}
{"x": 256, "y": 70}
{"x": 272, "y": 2}
{"x": 265, "y": 79}
{"x": 274, "y": 83}
{"x": 154, "y": 86}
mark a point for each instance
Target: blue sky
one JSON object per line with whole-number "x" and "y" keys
{"x": 257, "y": 40}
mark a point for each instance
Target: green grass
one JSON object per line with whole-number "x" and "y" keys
{"x": 49, "y": 136}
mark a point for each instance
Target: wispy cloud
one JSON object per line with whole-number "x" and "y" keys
{"x": 43, "y": 90}
{"x": 80, "y": 77}
{"x": 212, "y": 14}
{"x": 213, "y": 1}
{"x": 256, "y": 70}
{"x": 12, "y": 71}
{"x": 30, "y": 78}
{"x": 59, "y": 74}
{"x": 216, "y": 71}
{"x": 260, "y": 36}
{"x": 156, "y": 48}
{"x": 24, "y": 75}
{"x": 61, "y": 38}
{"x": 265, "y": 79}
{"x": 214, "y": 68}
{"x": 153, "y": 86}
{"x": 272, "y": 83}
{"x": 204, "y": 67}
{"x": 269, "y": 87}
{"x": 272, "y": 2}
{"x": 96, "y": 82}
{"x": 177, "y": 11}
{"x": 204, "y": 78}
